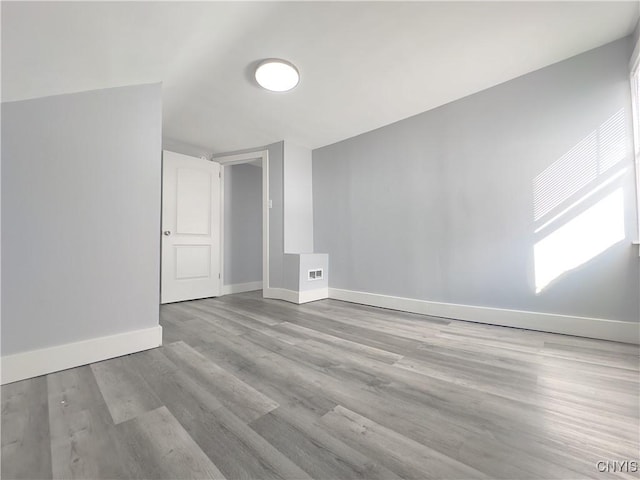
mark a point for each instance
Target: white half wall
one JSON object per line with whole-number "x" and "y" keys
{"x": 296, "y": 277}
{"x": 298, "y": 199}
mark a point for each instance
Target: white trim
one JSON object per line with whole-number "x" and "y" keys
{"x": 227, "y": 160}
{"x": 615, "y": 330}
{"x": 635, "y": 56}
{"x": 266, "y": 205}
{"x": 241, "y": 287}
{"x": 52, "y": 359}
{"x": 280, "y": 294}
{"x": 634, "y": 80}
{"x": 240, "y": 157}
{"x": 296, "y": 297}
{"x": 221, "y": 240}
{"x": 313, "y": 295}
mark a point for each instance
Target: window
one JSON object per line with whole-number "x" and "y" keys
{"x": 635, "y": 98}
{"x": 635, "y": 101}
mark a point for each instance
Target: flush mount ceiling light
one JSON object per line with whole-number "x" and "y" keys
{"x": 277, "y": 75}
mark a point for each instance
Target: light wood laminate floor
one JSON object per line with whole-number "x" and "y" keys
{"x": 246, "y": 388}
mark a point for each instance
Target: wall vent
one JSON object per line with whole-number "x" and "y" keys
{"x": 315, "y": 274}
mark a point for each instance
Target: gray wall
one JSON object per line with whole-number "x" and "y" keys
{"x": 242, "y": 224}
{"x": 80, "y": 216}
{"x": 440, "y": 206}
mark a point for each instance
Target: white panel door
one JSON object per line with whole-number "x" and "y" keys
{"x": 190, "y": 228}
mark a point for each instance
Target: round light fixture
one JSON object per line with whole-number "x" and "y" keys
{"x": 277, "y": 75}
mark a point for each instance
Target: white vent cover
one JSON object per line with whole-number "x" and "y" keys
{"x": 315, "y": 274}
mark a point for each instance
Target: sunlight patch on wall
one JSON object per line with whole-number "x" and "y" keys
{"x": 613, "y": 142}
{"x": 600, "y": 187}
{"x": 599, "y": 151}
{"x": 579, "y": 240}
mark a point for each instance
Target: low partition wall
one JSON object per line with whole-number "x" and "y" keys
{"x": 305, "y": 278}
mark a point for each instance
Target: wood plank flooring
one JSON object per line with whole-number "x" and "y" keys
{"x": 247, "y": 388}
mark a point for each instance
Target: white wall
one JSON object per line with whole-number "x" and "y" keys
{"x": 298, "y": 199}
{"x": 80, "y": 218}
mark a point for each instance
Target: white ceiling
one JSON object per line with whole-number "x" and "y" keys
{"x": 363, "y": 65}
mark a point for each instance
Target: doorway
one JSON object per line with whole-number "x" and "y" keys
{"x": 253, "y": 166}
{"x": 242, "y": 228}
{"x": 193, "y": 225}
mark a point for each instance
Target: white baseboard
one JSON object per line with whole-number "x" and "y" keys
{"x": 616, "y": 330}
{"x": 313, "y": 295}
{"x": 34, "y": 363}
{"x": 241, "y": 287}
{"x": 296, "y": 297}
{"x": 281, "y": 294}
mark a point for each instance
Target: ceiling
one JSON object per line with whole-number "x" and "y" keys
{"x": 363, "y": 65}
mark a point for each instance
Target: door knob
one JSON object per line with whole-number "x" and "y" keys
{"x": 166, "y": 233}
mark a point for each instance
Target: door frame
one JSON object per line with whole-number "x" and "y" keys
{"x": 236, "y": 159}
